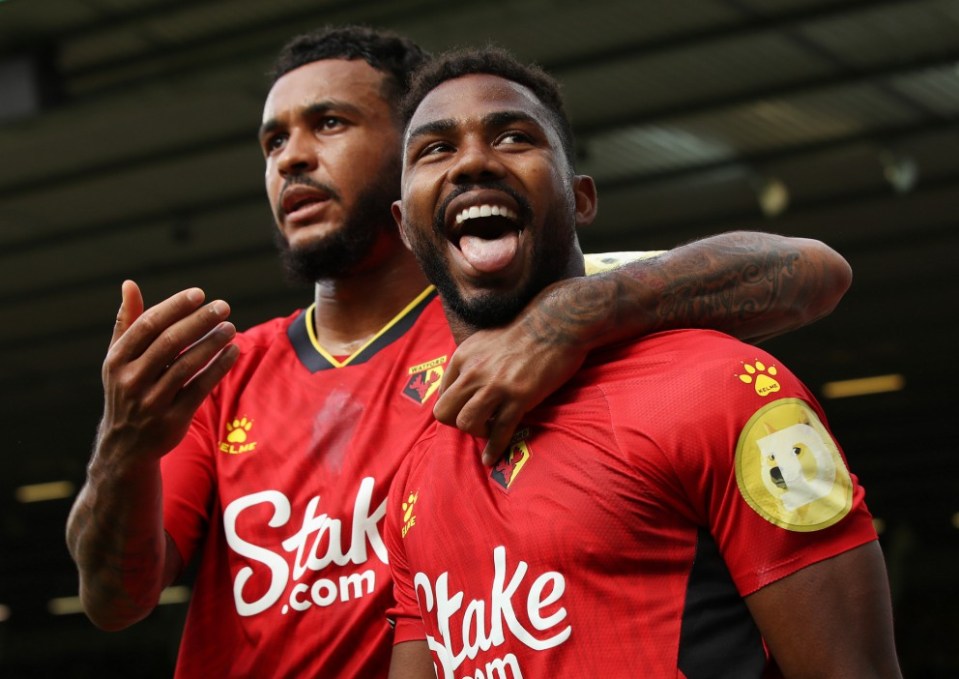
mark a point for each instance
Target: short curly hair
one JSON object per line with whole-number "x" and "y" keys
{"x": 395, "y": 56}
{"x": 496, "y": 61}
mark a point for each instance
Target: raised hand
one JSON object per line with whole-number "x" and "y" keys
{"x": 161, "y": 364}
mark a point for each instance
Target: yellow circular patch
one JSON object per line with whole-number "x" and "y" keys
{"x": 789, "y": 469}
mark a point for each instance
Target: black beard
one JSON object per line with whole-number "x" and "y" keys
{"x": 338, "y": 254}
{"x": 492, "y": 309}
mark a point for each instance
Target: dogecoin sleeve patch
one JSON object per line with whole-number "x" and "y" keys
{"x": 789, "y": 469}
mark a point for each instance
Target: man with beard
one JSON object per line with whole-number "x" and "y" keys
{"x": 265, "y": 457}
{"x": 677, "y": 509}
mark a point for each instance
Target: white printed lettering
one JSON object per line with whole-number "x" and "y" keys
{"x": 492, "y": 614}
{"x": 276, "y": 563}
{"x": 317, "y": 543}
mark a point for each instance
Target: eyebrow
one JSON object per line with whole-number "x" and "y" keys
{"x": 315, "y": 109}
{"x": 445, "y": 125}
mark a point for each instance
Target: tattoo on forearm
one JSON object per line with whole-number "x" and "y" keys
{"x": 570, "y": 311}
{"x": 711, "y": 294}
{"x": 742, "y": 288}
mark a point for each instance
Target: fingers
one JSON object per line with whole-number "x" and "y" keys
{"x": 131, "y": 306}
{"x": 487, "y": 413}
{"x": 475, "y": 415}
{"x": 501, "y": 430}
{"x": 450, "y": 373}
{"x": 155, "y": 352}
{"x": 464, "y": 375}
{"x": 191, "y": 363}
{"x": 166, "y": 331}
{"x": 449, "y": 407}
{"x": 203, "y": 382}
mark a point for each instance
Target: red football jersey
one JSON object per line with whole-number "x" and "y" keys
{"x": 279, "y": 489}
{"x": 631, "y": 514}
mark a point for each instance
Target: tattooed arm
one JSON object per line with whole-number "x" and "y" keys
{"x": 161, "y": 364}
{"x": 751, "y": 285}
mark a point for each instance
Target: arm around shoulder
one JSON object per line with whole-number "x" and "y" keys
{"x": 751, "y": 285}
{"x": 748, "y": 284}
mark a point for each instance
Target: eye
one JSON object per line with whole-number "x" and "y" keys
{"x": 274, "y": 143}
{"x": 514, "y": 137}
{"x": 331, "y": 123}
{"x": 434, "y": 148}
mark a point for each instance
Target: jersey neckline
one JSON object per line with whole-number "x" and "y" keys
{"x": 315, "y": 358}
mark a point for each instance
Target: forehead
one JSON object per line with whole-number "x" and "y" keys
{"x": 351, "y": 81}
{"x": 468, "y": 99}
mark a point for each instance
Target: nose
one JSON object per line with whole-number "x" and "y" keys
{"x": 298, "y": 155}
{"x": 476, "y": 161}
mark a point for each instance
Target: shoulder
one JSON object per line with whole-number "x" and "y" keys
{"x": 264, "y": 334}
{"x": 675, "y": 354}
{"x": 420, "y": 453}
{"x": 698, "y": 379}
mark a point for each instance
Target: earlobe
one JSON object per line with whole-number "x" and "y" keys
{"x": 584, "y": 190}
{"x": 397, "y": 209}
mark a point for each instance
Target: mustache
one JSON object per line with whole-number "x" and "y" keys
{"x": 304, "y": 180}
{"x": 439, "y": 219}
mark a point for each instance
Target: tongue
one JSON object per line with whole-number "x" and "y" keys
{"x": 489, "y": 256}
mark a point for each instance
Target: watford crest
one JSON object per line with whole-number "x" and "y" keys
{"x": 424, "y": 380}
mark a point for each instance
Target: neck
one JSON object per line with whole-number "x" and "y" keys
{"x": 460, "y": 328}
{"x": 574, "y": 268}
{"x": 351, "y": 309}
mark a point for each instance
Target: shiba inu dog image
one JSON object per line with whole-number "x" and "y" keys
{"x": 796, "y": 466}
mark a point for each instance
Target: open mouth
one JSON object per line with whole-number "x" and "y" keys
{"x": 485, "y": 227}
{"x": 487, "y": 234}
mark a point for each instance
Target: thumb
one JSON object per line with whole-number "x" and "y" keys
{"x": 131, "y": 307}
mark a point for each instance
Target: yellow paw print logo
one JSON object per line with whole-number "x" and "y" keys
{"x": 237, "y": 430}
{"x": 408, "y": 506}
{"x": 762, "y": 378}
{"x": 408, "y": 519}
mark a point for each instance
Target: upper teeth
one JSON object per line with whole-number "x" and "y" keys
{"x": 485, "y": 211}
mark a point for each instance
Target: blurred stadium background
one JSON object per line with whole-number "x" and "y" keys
{"x": 128, "y": 147}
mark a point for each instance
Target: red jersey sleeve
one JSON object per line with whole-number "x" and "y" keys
{"x": 404, "y": 614}
{"x": 189, "y": 483}
{"x": 750, "y": 457}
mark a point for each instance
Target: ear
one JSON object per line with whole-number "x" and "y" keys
{"x": 584, "y": 190}
{"x": 397, "y": 209}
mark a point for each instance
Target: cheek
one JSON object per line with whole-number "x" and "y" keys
{"x": 270, "y": 180}
{"x": 419, "y": 200}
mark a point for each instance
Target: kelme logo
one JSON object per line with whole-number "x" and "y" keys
{"x": 762, "y": 378}
{"x": 409, "y": 518}
{"x": 238, "y": 437}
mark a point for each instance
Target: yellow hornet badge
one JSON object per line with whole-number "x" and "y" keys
{"x": 789, "y": 469}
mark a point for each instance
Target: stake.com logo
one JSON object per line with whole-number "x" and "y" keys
{"x": 496, "y": 614}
